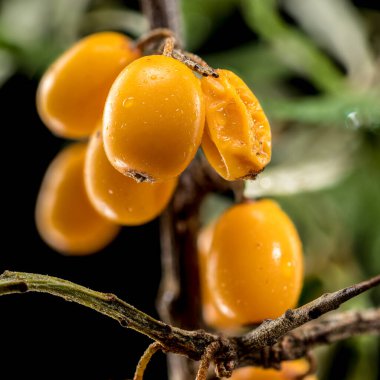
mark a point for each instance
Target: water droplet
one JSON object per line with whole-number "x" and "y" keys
{"x": 110, "y": 191}
{"x": 353, "y": 120}
{"x": 127, "y": 102}
{"x": 153, "y": 77}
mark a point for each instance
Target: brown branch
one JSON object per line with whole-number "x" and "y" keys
{"x": 338, "y": 327}
{"x": 271, "y": 330}
{"x": 173, "y": 339}
{"x": 179, "y": 295}
{"x": 284, "y": 340}
{"x": 145, "y": 359}
{"x": 206, "y": 361}
{"x": 327, "y": 330}
{"x": 163, "y": 14}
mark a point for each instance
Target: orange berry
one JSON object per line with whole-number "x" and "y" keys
{"x": 255, "y": 266}
{"x": 237, "y": 137}
{"x": 118, "y": 197}
{"x": 72, "y": 92}
{"x": 290, "y": 370}
{"x": 211, "y": 314}
{"x": 65, "y": 217}
{"x": 153, "y": 119}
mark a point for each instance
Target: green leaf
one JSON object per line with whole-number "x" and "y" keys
{"x": 292, "y": 47}
{"x": 349, "y": 110}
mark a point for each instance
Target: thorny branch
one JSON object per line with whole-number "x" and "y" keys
{"x": 271, "y": 330}
{"x": 269, "y": 344}
{"x": 328, "y": 329}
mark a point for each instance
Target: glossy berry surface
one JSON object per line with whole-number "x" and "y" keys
{"x": 237, "y": 137}
{"x": 118, "y": 197}
{"x": 255, "y": 265}
{"x": 72, "y": 93}
{"x": 153, "y": 119}
{"x": 210, "y": 312}
{"x": 65, "y": 218}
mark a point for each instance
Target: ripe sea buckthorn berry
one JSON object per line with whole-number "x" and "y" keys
{"x": 72, "y": 92}
{"x": 290, "y": 370}
{"x": 118, "y": 197}
{"x": 65, "y": 218}
{"x": 255, "y": 266}
{"x": 237, "y": 137}
{"x": 211, "y": 314}
{"x": 153, "y": 119}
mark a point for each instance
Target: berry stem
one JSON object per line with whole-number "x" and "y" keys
{"x": 163, "y": 14}
{"x": 145, "y": 359}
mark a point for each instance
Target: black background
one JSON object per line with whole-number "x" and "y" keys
{"x": 39, "y": 332}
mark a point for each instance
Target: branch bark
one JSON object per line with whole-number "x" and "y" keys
{"x": 163, "y": 14}
{"x": 329, "y": 329}
{"x": 271, "y": 330}
{"x": 269, "y": 344}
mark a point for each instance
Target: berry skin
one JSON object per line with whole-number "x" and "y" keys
{"x": 153, "y": 119}
{"x": 211, "y": 314}
{"x": 72, "y": 92}
{"x": 65, "y": 217}
{"x": 290, "y": 370}
{"x": 120, "y": 198}
{"x": 255, "y": 265}
{"x": 237, "y": 137}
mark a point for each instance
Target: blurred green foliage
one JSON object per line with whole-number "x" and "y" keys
{"x": 326, "y": 166}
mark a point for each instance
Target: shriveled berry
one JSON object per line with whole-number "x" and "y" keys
{"x": 237, "y": 137}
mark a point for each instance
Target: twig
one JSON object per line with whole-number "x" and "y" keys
{"x": 338, "y": 327}
{"x": 153, "y": 37}
{"x": 270, "y": 331}
{"x": 329, "y": 329}
{"x": 175, "y": 340}
{"x": 168, "y": 46}
{"x": 194, "y": 63}
{"x": 206, "y": 361}
{"x": 163, "y": 14}
{"x": 279, "y": 339}
{"x": 145, "y": 359}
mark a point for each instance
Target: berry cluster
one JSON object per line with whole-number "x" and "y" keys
{"x": 146, "y": 117}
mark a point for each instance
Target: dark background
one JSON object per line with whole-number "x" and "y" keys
{"x": 45, "y": 337}
{"x": 40, "y": 332}
{"x": 41, "y": 336}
